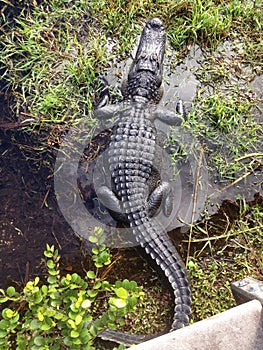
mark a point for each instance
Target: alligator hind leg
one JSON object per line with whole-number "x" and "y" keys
{"x": 161, "y": 197}
{"x": 112, "y": 203}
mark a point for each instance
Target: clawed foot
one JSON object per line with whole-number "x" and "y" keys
{"x": 180, "y": 108}
{"x": 171, "y": 118}
{"x": 102, "y": 95}
{"x": 160, "y": 198}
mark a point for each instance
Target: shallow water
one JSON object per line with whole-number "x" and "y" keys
{"x": 30, "y": 216}
{"x": 180, "y": 82}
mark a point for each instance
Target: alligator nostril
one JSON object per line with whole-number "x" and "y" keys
{"x": 156, "y": 23}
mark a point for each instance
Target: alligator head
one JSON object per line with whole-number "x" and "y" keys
{"x": 144, "y": 83}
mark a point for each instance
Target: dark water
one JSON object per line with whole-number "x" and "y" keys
{"x": 29, "y": 216}
{"x": 180, "y": 82}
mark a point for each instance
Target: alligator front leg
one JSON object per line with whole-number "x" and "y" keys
{"x": 102, "y": 107}
{"x": 171, "y": 118}
{"x": 102, "y": 92}
{"x": 161, "y": 197}
{"x": 106, "y": 112}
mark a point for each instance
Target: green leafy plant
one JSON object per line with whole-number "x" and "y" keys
{"x": 65, "y": 311}
{"x": 210, "y": 288}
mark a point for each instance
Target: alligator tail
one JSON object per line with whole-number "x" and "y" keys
{"x": 153, "y": 238}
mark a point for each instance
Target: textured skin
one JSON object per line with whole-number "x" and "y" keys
{"x": 132, "y": 152}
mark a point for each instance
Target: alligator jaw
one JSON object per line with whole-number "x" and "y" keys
{"x": 145, "y": 75}
{"x": 150, "y": 52}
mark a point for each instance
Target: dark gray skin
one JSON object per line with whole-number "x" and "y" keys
{"x": 131, "y": 161}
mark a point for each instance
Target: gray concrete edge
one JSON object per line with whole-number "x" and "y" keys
{"x": 238, "y": 328}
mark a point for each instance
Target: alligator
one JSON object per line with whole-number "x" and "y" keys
{"x": 134, "y": 194}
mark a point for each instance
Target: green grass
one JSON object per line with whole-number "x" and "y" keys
{"x": 226, "y": 248}
{"x": 196, "y": 21}
{"x": 225, "y": 122}
{"x": 50, "y": 57}
{"x": 211, "y": 294}
{"x": 52, "y": 50}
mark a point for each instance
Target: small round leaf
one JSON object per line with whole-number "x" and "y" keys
{"x": 121, "y": 293}
{"x": 39, "y": 341}
{"x": 74, "y": 334}
{"x": 93, "y": 239}
{"x": 119, "y": 303}
{"x": 91, "y": 274}
{"x": 86, "y": 304}
{"x": 11, "y": 291}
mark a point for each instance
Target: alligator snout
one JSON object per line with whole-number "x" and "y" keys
{"x": 148, "y": 62}
{"x": 155, "y": 24}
